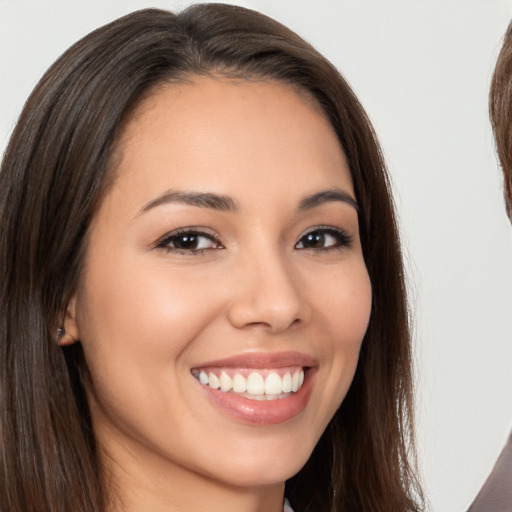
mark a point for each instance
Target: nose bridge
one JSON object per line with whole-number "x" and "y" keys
{"x": 269, "y": 291}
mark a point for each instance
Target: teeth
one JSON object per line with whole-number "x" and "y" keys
{"x": 287, "y": 382}
{"x": 255, "y": 386}
{"x": 273, "y": 384}
{"x": 295, "y": 382}
{"x": 213, "y": 381}
{"x": 225, "y": 382}
{"x": 239, "y": 383}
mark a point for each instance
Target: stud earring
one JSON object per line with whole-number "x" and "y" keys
{"x": 61, "y": 332}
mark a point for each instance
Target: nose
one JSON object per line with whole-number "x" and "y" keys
{"x": 269, "y": 294}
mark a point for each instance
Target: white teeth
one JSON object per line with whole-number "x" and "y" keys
{"x": 239, "y": 383}
{"x": 287, "y": 382}
{"x": 203, "y": 378}
{"x": 213, "y": 381}
{"x": 273, "y": 384}
{"x": 225, "y": 382}
{"x": 295, "y": 382}
{"x": 255, "y": 386}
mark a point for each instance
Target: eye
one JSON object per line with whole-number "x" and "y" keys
{"x": 324, "y": 238}
{"x": 188, "y": 241}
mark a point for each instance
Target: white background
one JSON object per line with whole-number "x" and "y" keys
{"x": 421, "y": 68}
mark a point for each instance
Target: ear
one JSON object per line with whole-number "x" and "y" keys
{"x": 68, "y": 333}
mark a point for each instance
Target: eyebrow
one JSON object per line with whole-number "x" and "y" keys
{"x": 333, "y": 194}
{"x": 199, "y": 199}
{"x": 226, "y": 203}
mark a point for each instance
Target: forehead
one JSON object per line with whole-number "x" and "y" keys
{"x": 213, "y": 128}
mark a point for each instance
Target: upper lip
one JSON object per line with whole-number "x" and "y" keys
{"x": 263, "y": 360}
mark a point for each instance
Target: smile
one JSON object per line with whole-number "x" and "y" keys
{"x": 259, "y": 388}
{"x": 253, "y": 384}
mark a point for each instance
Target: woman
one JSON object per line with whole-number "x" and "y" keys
{"x": 202, "y": 289}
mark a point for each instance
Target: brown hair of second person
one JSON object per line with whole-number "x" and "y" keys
{"x": 500, "y": 108}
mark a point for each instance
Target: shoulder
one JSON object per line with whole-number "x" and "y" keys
{"x": 496, "y": 494}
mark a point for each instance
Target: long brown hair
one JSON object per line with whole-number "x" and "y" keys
{"x": 500, "y": 109}
{"x": 55, "y": 170}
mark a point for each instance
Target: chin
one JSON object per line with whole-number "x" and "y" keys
{"x": 268, "y": 465}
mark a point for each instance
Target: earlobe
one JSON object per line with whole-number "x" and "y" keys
{"x": 67, "y": 333}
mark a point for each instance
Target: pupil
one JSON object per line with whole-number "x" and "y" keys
{"x": 315, "y": 239}
{"x": 186, "y": 242}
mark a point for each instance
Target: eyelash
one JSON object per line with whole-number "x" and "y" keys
{"x": 167, "y": 240}
{"x": 341, "y": 240}
{"x": 341, "y": 237}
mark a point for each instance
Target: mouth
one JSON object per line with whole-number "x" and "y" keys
{"x": 253, "y": 384}
{"x": 259, "y": 388}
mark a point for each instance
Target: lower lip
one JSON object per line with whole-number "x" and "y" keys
{"x": 265, "y": 412}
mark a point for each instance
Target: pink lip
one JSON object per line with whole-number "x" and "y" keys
{"x": 269, "y": 412}
{"x": 262, "y": 360}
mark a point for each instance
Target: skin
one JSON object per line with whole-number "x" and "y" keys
{"x": 146, "y": 315}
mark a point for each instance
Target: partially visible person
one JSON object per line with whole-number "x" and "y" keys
{"x": 500, "y": 109}
{"x": 496, "y": 494}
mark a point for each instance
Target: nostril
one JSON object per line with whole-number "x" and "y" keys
{"x": 272, "y": 323}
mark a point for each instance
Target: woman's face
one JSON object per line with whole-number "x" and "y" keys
{"x": 224, "y": 295}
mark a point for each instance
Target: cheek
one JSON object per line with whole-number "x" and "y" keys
{"x": 345, "y": 315}
{"x": 346, "y": 306}
{"x": 153, "y": 311}
{"x": 135, "y": 327}
{"x": 136, "y": 332}
{"x": 353, "y": 316}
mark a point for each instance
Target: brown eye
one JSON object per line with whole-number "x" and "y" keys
{"x": 188, "y": 241}
{"x": 316, "y": 240}
{"x": 323, "y": 239}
